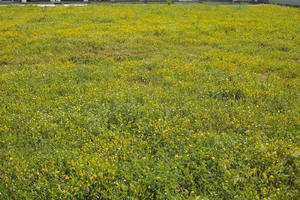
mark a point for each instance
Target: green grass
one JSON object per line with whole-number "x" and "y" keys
{"x": 149, "y": 102}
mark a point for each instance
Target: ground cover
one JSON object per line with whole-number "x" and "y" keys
{"x": 149, "y": 102}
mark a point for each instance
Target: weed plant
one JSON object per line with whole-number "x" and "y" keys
{"x": 149, "y": 102}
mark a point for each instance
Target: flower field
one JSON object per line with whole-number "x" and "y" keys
{"x": 150, "y": 102}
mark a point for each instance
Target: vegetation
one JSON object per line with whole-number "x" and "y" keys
{"x": 149, "y": 102}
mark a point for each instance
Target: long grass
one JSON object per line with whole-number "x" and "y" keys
{"x": 149, "y": 102}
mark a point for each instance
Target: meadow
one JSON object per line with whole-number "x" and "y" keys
{"x": 150, "y": 102}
